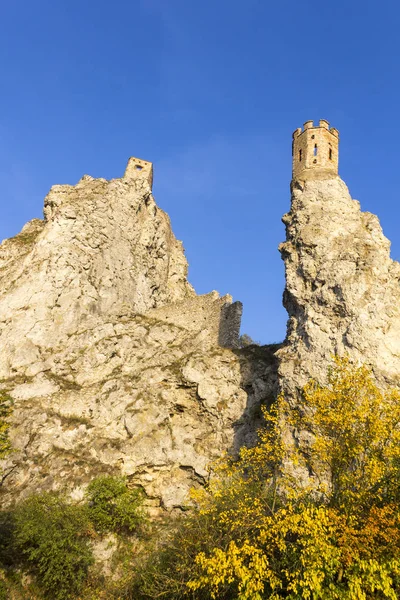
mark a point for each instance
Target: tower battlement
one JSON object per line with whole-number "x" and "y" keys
{"x": 139, "y": 169}
{"x": 315, "y": 148}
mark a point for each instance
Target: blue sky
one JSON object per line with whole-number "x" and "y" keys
{"x": 210, "y": 92}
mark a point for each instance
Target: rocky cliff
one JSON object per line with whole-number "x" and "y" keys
{"x": 113, "y": 362}
{"x": 115, "y": 365}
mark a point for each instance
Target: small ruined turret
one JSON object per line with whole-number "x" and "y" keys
{"x": 139, "y": 169}
{"x": 315, "y": 150}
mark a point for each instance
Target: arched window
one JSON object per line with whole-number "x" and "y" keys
{"x": 300, "y": 153}
{"x": 315, "y": 150}
{"x": 330, "y": 153}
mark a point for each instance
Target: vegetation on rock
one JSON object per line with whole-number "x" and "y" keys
{"x": 245, "y": 340}
{"x": 113, "y": 506}
{"x": 259, "y": 533}
{"x": 51, "y": 540}
{"x": 260, "y": 529}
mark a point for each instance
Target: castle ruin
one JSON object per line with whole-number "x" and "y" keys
{"x": 138, "y": 168}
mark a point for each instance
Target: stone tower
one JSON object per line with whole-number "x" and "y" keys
{"x": 315, "y": 150}
{"x": 139, "y": 169}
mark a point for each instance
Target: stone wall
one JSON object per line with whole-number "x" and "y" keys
{"x": 230, "y": 322}
{"x": 139, "y": 169}
{"x": 217, "y": 319}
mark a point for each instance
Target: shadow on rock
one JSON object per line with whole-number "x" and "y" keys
{"x": 259, "y": 372}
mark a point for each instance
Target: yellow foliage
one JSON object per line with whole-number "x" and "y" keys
{"x": 339, "y": 540}
{"x": 357, "y": 434}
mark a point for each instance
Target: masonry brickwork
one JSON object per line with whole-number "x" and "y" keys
{"x": 217, "y": 319}
{"x": 315, "y": 150}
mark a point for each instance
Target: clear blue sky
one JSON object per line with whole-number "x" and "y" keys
{"x": 210, "y": 92}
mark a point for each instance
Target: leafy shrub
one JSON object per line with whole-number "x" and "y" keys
{"x": 166, "y": 564}
{"x": 52, "y": 537}
{"x": 3, "y": 590}
{"x": 113, "y": 507}
{"x": 8, "y": 555}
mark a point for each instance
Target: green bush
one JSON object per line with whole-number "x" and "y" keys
{"x": 53, "y": 540}
{"x": 3, "y": 590}
{"x": 245, "y": 340}
{"x": 112, "y": 506}
{"x": 7, "y": 551}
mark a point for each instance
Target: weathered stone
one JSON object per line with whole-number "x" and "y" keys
{"x": 113, "y": 362}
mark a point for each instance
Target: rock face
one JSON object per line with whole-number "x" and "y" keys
{"x": 114, "y": 364}
{"x": 104, "y": 249}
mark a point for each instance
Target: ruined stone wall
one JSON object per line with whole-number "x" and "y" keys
{"x": 216, "y": 318}
{"x": 139, "y": 169}
{"x": 229, "y": 330}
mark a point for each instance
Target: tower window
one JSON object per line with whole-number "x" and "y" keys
{"x": 330, "y": 153}
{"x": 300, "y": 153}
{"x": 315, "y": 150}
{"x": 138, "y": 167}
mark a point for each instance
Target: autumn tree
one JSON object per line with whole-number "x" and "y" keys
{"x": 268, "y": 536}
{"x": 356, "y": 430}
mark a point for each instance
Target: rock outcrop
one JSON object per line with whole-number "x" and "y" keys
{"x": 342, "y": 288}
{"x": 113, "y": 362}
{"x": 104, "y": 249}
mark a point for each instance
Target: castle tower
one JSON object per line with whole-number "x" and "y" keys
{"x": 139, "y": 169}
{"x": 315, "y": 150}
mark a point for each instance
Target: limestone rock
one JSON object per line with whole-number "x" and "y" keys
{"x": 105, "y": 248}
{"x": 342, "y": 288}
{"x": 114, "y": 364}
